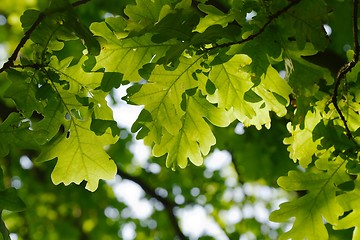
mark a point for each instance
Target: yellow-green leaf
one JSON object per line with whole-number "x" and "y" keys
{"x": 164, "y": 90}
{"x": 195, "y": 138}
{"x": 301, "y": 144}
{"x": 81, "y": 156}
{"x": 317, "y": 204}
{"x": 233, "y": 82}
{"x": 128, "y": 55}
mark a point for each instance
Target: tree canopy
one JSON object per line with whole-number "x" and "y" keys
{"x": 272, "y": 84}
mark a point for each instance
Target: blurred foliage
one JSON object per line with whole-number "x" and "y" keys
{"x": 210, "y": 76}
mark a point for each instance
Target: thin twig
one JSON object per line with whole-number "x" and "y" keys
{"x": 80, "y": 2}
{"x": 347, "y": 68}
{"x": 168, "y": 205}
{"x": 12, "y": 58}
{"x": 236, "y": 167}
{"x": 27, "y": 35}
{"x": 262, "y": 29}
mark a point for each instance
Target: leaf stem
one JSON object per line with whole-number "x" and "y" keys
{"x": 10, "y": 63}
{"x": 347, "y": 68}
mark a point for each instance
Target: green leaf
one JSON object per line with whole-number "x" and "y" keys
{"x": 54, "y": 117}
{"x": 332, "y": 135}
{"x": 175, "y": 25}
{"x": 79, "y": 80}
{"x": 182, "y": 134}
{"x": 350, "y": 108}
{"x": 99, "y": 126}
{"x": 269, "y": 53}
{"x": 128, "y": 55}
{"x": 72, "y": 23}
{"x": 319, "y": 202}
{"x": 213, "y": 16}
{"x": 309, "y": 73}
{"x": 17, "y": 133}
{"x": 143, "y": 118}
{"x": 350, "y": 202}
{"x": 210, "y": 87}
{"x": 2, "y": 186}
{"x": 146, "y": 13}
{"x": 81, "y": 85}
{"x": 23, "y": 91}
{"x": 216, "y": 34}
{"x": 302, "y": 147}
{"x": 195, "y": 138}
{"x": 81, "y": 156}
{"x": 347, "y": 186}
{"x": 274, "y": 91}
{"x": 251, "y": 96}
{"x": 4, "y": 231}
{"x": 307, "y": 19}
{"x": 234, "y": 84}
{"x": 111, "y": 80}
{"x": 165, "y": 89}
{"x": 9, "y": 200}
{"x": 50, "y": 32}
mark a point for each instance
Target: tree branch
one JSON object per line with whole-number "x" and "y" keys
{"x": 12, "y": 58}
{"x": 168, "y": 205}
{"x": 262, "y": 29}
{"x": 236, "y": 168}
{"x": 347, "y": 68}
{"x": 80, "y": 2}
{"x": 10, "y": 63}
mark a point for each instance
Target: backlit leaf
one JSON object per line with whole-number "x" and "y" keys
{"x": 302, "y": 147}
{"x": 81, "y": 156}
{"x": 318, "y": 203}
{"x": 146, "y": 13}
{"x": 214, "y": 16}
{"x": 165, "y": 88}
{"x": 128, "y": 55}
{"x": 349, "y": 201}
{"x": 195, "y": 138}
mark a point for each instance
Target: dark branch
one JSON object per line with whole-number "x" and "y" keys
{"x": 27, "y": 35}
{"x": 80, "y": 2}
{"x": 168, "y": 205}
{"x": 262, "y": 29}
{"x": 347, "y": 68}
{"x": 236, "y": 168}
{"x": 12, "y": 58}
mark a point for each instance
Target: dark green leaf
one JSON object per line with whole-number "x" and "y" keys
{"x": 144, "y": 116}
{"x": 4, "y": 231}
{"x": 347, "y": 186}
{"x": 99, "y": 126}
{"x": 251, "y": 96}
{"x": 9, "y": 200}
{"x": 23, "y": 93}
{"x": 210, "y": 87}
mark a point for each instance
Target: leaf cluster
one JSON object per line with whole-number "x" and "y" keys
{"x": 194, "y": 66}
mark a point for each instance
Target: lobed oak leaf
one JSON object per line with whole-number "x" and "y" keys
{"x": 195, "y": 138}
{"x": 301, "y": 144}
{"x": 81, "y": 156}
{"x": 319, "y": 203}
